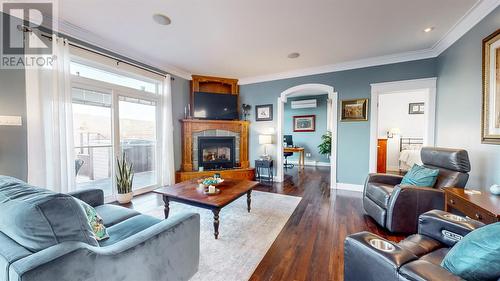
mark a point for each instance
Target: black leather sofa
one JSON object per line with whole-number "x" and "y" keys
{"x": 369, "y": 257}
{"x": 397, "y": 207}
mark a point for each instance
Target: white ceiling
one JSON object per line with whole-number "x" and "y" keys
{"x": 248, "y": 38}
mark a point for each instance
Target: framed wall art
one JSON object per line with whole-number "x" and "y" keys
{"x": 490, "y": 125}
{"x": 354, "y": 110}
{"x": 304, "y": 123}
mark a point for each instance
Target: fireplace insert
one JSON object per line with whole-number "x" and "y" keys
{"x": 216, "y": 153}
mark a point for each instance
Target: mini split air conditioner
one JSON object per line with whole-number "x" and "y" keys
{"x": 304, "y": 104}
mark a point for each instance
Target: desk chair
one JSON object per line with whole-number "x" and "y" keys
{"x": 288, "y": 142}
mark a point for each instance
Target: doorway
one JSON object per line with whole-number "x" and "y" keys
{"x": 409, "y": 143}
{"x": 305, "y": 90}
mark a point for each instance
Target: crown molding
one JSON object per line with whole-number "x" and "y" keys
{"x": 374, "y": 61}
{"x": 91, "y": 38}
{"x": 474, "y": 15}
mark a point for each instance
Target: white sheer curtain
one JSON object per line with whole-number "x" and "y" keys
{"x": 167, "y": 134}
{"x": 49, "y": 122}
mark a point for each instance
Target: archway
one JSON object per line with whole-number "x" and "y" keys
{"x": 301, "y": 91}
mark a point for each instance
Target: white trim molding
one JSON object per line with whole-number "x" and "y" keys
{"x": 348, "y": 187}
{"x": 309, "y": 90}
{"x": 310, "y": 163}
{"x": 474, "y": 15}
{"x": 377, "y": 89}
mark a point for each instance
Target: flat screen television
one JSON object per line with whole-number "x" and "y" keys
{"x": 215, "y": 106}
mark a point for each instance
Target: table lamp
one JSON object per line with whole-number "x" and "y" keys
{"x": 265, "y": 140}
{"x": 393, "y": 132}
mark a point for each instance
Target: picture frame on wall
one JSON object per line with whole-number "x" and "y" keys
{"x": 416, "y": 108}
{"x": 304, "y": 123}
{"x": 354, "y": 110}
{"x": 490, "y": 123}
{"x": 264, "y": 112}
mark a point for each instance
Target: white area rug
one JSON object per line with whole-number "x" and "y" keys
{"x": 244, "y": 238}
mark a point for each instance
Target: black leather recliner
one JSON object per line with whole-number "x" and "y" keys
{"x": 369, "y": 257}
{"x": 397, "y": 207}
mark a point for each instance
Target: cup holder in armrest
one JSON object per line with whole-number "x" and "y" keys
{"x": 454, "y": 217}
{"x": 382, "y": 245}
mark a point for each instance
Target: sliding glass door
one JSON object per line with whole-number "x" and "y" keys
{"x": 93, "y": 139}
{"x": 138, "y": 138}
{"x": 112, "y": 118}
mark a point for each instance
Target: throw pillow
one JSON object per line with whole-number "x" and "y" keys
{"x": 95, "y": 221}
{"x": 420, "y": 176}
{"x": 477, "y": 255}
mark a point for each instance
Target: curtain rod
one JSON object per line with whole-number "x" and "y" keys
{"x": 118, "y": 60}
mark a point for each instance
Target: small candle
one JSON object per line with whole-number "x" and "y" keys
{"x": 201, "y": 186}
{"x": 211, "y": 189}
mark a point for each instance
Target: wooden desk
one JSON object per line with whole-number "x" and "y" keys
{"x": 294, "y": 150}
{"x": 484, "y": 207}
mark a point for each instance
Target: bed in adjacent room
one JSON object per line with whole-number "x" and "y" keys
{"x": 409, "y": 152}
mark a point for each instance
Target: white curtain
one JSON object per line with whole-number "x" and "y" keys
{"x": 167, "y": 170}
{"x": 49, "y": 122}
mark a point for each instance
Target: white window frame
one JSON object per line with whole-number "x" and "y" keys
{"x": 116, "y": 91}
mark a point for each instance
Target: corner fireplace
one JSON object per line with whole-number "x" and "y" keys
{"x": 216, "y": 152}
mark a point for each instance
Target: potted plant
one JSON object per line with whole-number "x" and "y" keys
{"x": 124, "y": 180}
{"x": 326, "y": 144}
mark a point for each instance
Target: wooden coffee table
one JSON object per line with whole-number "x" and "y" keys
{"x": 187, "y": 192}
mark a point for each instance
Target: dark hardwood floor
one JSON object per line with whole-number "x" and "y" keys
{"x": 311, "y": 245}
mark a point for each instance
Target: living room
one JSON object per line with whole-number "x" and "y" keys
{"x": 188, "y": 140}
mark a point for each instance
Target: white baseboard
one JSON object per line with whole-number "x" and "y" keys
{"x": 310, "y": 163}
{"x": 348, "y": 187}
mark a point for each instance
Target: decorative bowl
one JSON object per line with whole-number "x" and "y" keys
{"x": 211, "y": 181}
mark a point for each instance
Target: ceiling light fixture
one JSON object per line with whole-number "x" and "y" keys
{"x": 161, "y": 19}
{"x": 429, "y": 29}
{"x": 293, "y": 55}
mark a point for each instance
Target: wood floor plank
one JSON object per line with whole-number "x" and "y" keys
{"x": 311, "y": 244}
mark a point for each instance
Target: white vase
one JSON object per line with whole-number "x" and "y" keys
{"x": 124, "y": 198}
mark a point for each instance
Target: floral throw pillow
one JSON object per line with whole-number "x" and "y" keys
{"x": 95, "y": 222}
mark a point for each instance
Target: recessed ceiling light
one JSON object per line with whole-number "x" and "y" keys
{"x": 429, "y": 29}
{"x": 161, "y": 19}
{"x": 293, "y": 55}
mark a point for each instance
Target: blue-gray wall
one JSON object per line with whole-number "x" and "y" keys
{"x": 353, "y": 137}
{"x": 13, "y": 142}
{"x": 308, "y": 140}
{"x": 459, "y": 102}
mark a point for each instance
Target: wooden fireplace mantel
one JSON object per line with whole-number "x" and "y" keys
{"x": 190, "y": 126}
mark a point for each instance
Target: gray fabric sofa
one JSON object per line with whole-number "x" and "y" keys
{"x": 45, "y": 236}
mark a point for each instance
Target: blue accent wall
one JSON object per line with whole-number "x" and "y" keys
{"x": 353, "y": 137}
{"x": 459, "y": 102}
{"x": 308, "y": 140}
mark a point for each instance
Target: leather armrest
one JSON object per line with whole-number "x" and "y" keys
{"x": 94, "y": 197}
{"x": 375, "y": 264}
{"x": 425, "y": 271}
{"x": 442, "y": 226}
{"x": 384, "y": 178}
{"x": 407, "y": 203}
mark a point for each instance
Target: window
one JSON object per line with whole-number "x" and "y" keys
{"x": 138, "y": 138}
{"x": 92, "y": 131}
{"x": 114, "y": 114}
{"x": 90, "y": 72}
